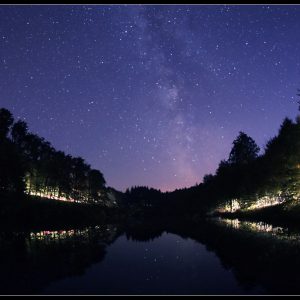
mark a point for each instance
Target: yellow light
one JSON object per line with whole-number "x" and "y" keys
{"x": 231, "y": 206}
{"x": 266, "y": 201}
{"x": 252, "y": 226}
{"x": 50, "y": 196}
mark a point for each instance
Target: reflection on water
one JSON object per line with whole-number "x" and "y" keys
{"x": 166, "y": 265}
{"x": 253, "y": 226}
{"x": 55, "y": 234}
{"x": 31, "y": 260}
{"x": 282, "y": 233}
{"x": 216, "y": 256}
{"x": 85, "y": 233}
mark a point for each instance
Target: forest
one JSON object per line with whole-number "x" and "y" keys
{"x": 30, "y": 164}
{"x": 249, "y": 179}
{"x": 246, "y": 181}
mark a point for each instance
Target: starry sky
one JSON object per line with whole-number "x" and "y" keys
{"x": 150, "y": 94}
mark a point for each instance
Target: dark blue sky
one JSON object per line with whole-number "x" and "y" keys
{"x": 150, "y": 95}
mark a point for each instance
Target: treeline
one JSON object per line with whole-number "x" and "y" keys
{"x": 144, "y": 201}
{"x": 142, "y": 196}
{"x": 29, "y": 163}
{"x": 246, "y": 179}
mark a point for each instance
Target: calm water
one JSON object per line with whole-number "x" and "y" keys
{"x": 166, "y": 265}
{"x": 220, "y": 257}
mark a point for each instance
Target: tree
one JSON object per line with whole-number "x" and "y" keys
{"x": 79, "y": 179}
{"x": 207, "y": 178}
{"x": 19, "y": 132}
{"x": 223, "y": 168}
{"x": 96, "y": 184}
{"x": 244, "y": 150}
{"x": 11, "y": 171}
{"x": 6, "y": 120}
{"x": 298, "y": 99}
{"x": 26, "y": 158}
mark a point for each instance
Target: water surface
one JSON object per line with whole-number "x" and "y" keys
{"x": 166, "y": 265}
{"x": 219, "y": 257}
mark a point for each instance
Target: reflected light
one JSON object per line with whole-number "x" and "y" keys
{"x": 235, "y": 204}
{"x": 253, "y": 226}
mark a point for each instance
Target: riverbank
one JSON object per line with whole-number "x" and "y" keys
{"x": 287, "y": 213}
{"x": 25, "y": 212}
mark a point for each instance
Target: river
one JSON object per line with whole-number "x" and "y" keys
{"x": 224, "y": 257}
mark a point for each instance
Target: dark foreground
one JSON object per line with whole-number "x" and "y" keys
{"x": 158, "y": 256}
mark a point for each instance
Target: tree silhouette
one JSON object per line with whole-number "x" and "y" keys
{"x": 244, "y": 150}
{"x": 19, "y": 132}
{"x": 11, "y": 171}
{"x": 96, "y": 184}
{"x": 27, "y": 158}
{"x": 298, "y": 99}
{"x": 6, "y": 120}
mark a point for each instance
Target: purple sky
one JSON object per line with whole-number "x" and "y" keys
{"x": 150, "y": 95}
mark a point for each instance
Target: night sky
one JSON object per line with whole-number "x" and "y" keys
{"x": 150, "y": 95}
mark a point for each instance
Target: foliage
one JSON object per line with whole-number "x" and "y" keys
{"x": 246, "y": 176}
{"x": 244, "y": 150}
{"x": 29, "y": 163}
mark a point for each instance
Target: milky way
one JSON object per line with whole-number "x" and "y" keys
{"x": 150, "y": 95}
